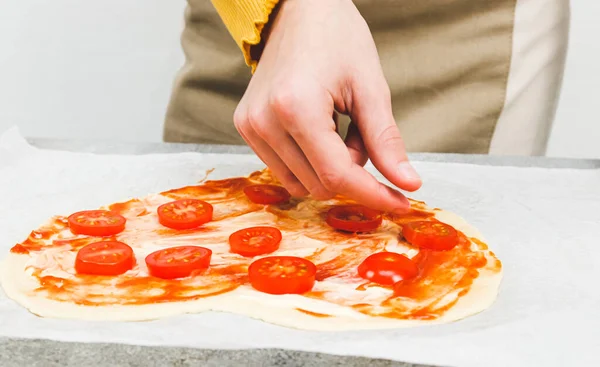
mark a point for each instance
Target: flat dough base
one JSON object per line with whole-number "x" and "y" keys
{"x": 279, "y": 310}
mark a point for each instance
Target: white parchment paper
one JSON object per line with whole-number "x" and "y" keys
{"x": 544, "y": 224}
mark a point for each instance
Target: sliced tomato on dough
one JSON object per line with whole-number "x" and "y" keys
{"x": 100, "y": 223}
{"x": 353, "y": 218}
{"x": 185, "y": 213}
{"x": 282, "y": 275}
{"x": 266, "y": 194}
{"x": 104, "y": 258}
{"x": 178, "y": 262}
{"x": 430, "y": 235}
{"x": 255, "y": 241}
{"x": 387, "y": 268}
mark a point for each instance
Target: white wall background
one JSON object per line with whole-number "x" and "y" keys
{"x": 576, "y": 131}
{"x": 104, "y": 70}
{"x": 88, "y": 69}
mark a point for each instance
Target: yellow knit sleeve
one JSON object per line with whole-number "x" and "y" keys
{"x": 245, "y": 20}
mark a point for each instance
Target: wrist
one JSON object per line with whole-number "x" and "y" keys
{"x": 257, "y": 50}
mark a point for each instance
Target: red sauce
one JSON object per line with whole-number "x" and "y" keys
{"x": 366, "y": 285}
{"x": 133, "y": 207}
{"x": 41, "y": 234}
{"x": 225, "y": 189}
{"x": 19, "y": 249}
{"x": 39, "y": 238}
{"x": 363, "y": 287}
{"x": 347, "y": 260}
{"x": 79, "y": 242}
{"x": 164, "y": 231}
{"x": 145, "y": 290}
{"x": 315, "y": 314}
{"x": 416, "y": 204}
{"x": 441, "y": 273}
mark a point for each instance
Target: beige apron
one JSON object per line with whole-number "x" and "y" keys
{"x": 447, "y": 64}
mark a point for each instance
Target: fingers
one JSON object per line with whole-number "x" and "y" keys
{"x": 338, "y": 173}
{"x": 268, "y": 155}
{"x": 372, "y": 111}
{"x": 289, "y": 152}
{"x": 296, "y": 137}
{"x": 313, "y": 130}
{"x": 280, "y": 153}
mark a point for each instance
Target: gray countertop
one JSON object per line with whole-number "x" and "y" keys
{"x": 19, "y": 352}
{"x": 46, "y": 353}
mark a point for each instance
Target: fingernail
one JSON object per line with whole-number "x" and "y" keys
{"x": 408, "y": 172}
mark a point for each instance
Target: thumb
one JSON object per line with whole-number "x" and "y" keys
{"x": 372, "y": 111}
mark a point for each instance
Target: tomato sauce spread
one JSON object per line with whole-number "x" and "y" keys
{"x": 315, "y": 314}
{"x": 443, "y": 278}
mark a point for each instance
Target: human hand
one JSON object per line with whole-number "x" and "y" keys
{"x": 320, "y": 58}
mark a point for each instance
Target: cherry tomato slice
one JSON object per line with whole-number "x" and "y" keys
{"x": 255, "y": 241}
{"x": 282, "y": 275}
{"x": 266, "y": 194}
{"x": 104, "y": 258}
{"x": 185, "y": 213}
{"x": 387, "y": 268}
{"x": 99, "y": 223}
{"x": 430, "y": 235}
{"x": 178, "y": 262}
{"x": 353, "y": 218}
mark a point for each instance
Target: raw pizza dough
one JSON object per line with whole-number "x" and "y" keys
{"x": 20, "y": 285}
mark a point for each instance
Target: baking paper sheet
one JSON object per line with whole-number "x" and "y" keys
{"x": 544, "y": 224}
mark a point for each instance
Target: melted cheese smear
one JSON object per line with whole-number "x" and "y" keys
{"x": 339, "y": 292}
